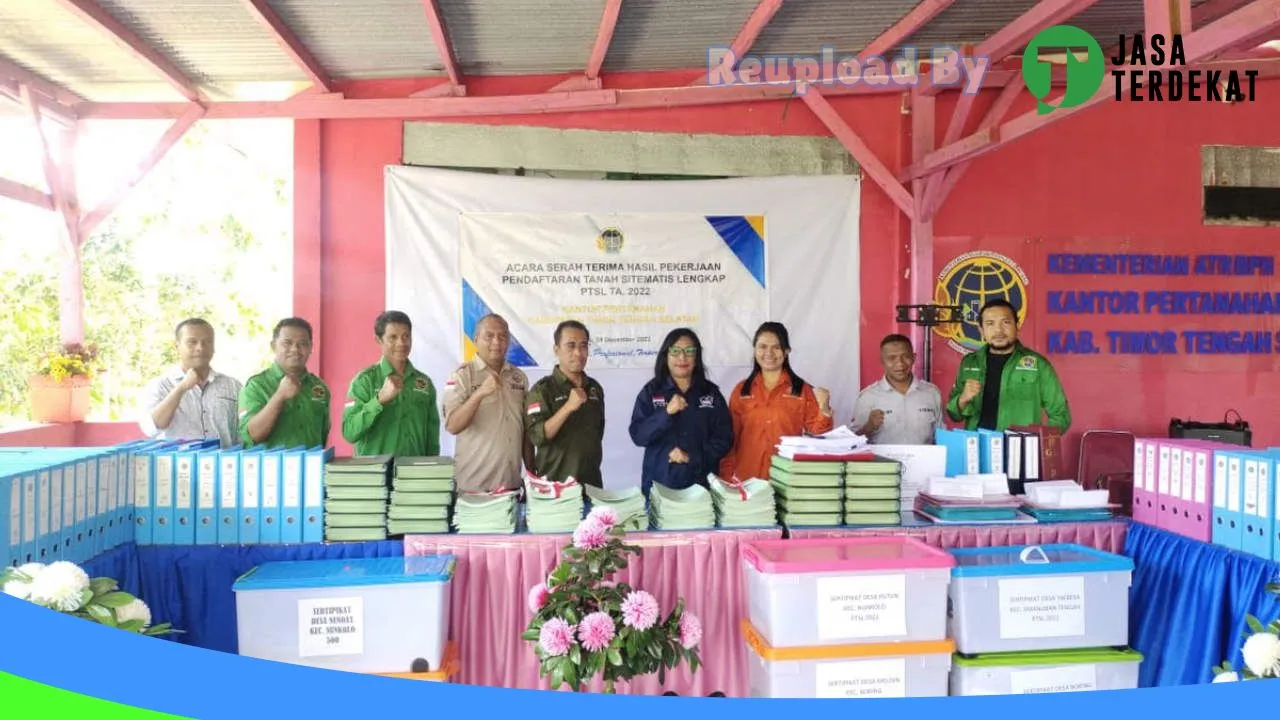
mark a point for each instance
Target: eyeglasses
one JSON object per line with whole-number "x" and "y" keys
{"x": 674, "y": 351}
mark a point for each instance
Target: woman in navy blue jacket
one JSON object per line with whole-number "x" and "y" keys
{"x": 681, "y": 418}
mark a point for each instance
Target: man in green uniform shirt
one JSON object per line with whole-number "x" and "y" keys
{"x": 1024, "y": 386}
{"x": 286, "y": 406}
{"x": 564, "y": 413}
{"x": 391, "y": 405}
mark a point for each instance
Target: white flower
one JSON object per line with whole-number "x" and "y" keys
{"x": 136, "y": 610}
{"x": 18, "y": 589}
{"x": 31, "y": 570}
{"x": 59, "y": 586}
{"x": 1227, "y": 677}
{"x": 1262, "y": 654}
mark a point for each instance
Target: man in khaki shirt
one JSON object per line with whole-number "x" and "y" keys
{"x": 484, "y": 408}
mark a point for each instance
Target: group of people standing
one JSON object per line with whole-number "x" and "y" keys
{"x": 686, "y": 425}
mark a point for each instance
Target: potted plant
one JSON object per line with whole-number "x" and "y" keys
{"x": 584, "y": 625}
{"x": 63, "y": 586}
{"x": 59, "y": 389}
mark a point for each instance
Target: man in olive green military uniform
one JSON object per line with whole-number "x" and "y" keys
{"x": 285, "y": 406}
{"x": 564, "y": 413}
{"x": 391, "y": 405}
{"x": 484, "y": 407}
{"x": 1025, "y": 387}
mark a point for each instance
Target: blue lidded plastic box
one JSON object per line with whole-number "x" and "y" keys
{"x": 1038, "y": 597}
{"x": 293, "y": 574}
{"x": 367, "y": 615}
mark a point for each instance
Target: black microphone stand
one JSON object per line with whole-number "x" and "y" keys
{"x": 929, "y": 317}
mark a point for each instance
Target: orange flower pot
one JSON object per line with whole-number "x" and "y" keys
{"x": 58, "y": 402}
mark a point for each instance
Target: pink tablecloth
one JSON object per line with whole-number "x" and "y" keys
{"x": 489, "y": 607}
{"x": 1107, "y": 536}
{"x": 494, "y": 573}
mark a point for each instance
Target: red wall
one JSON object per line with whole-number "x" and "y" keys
{"x": 1124, "y": 178}
{"x": 1118, "y": 175}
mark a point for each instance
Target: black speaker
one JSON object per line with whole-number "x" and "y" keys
{"x": 1232, "y": 433}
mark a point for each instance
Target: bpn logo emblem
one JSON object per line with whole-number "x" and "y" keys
{"x": 1084, "y": 78}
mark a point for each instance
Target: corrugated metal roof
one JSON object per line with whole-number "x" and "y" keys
{"x": 515, "y": 37}
{"x": 674, "y": 34}
{"x": 364, "y": 38}
{"x": 49, "y": 41}
{"x": 806, "y": 28}
{"x": 220, "y": 44}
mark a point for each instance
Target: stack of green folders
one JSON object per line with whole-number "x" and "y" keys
{"x": 355, "y": 499}
{"x": 421, "y": 496}
{"x": 689, "y": 508}
{"x": 628, "y": 503}
{"x": 749, "y": 504}
{"x": 808, "y": 492}
{"x": 872, "y": 492}
{"x": 485, "y": 513}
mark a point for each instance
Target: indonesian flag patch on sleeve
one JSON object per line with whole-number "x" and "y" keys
{"x": 533, "y": 409}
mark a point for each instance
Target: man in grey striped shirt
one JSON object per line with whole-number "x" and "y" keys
{"x": 192, "y": 401}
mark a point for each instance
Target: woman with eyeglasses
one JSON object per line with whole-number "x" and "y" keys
{"x": 771, "y": 402}
{"x": 680, "y": 418}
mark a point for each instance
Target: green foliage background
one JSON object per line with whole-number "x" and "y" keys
{"x": 207, "y": 233}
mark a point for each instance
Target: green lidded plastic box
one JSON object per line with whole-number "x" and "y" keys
{"x": 1045, "y": 671}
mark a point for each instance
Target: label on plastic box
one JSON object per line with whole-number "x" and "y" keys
{"x": 1070, "y": 678}
{"x": 862, "y": 607}
{"x": 1042, "y": 607}
{"x": 861, "y": 678}
{"x": 332, "y": 626}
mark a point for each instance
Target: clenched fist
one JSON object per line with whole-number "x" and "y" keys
{"x": 577, "y": 398}
{"x": 488, "y": 387}
{"x": 971, "y": 390}
{"x": 391, "y": 387}
{"x": 676, "y": 405}
{"x": 678, "y": 456}
{"x": 288, "y": 388}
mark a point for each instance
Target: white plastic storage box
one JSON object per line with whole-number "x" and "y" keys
{"x": 1050, "y": 597}
{"x": 375, "y": 615}
{"x": 1054, "y": 671}
{"x": 837, "y": 591}
{"x": 868, "y": 670}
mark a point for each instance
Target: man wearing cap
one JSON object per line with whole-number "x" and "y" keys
{"x": 484, "y": 408}
{"x": 564, "y": 413}
{"x": 285, "y": 406}
{"x": 391, "y": 405}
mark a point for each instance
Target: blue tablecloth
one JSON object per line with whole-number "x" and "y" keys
{"x": 190, "y": 586}
{"x": 1188, "y": 604}
{"x": 1186, "y": 613}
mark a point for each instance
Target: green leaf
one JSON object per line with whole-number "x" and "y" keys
{"x": 615, "y": 657}
{"x": 132, "y": 626}
{"x": 532, "y": 635}
{"x": 557, "y": 677}
{"x": 86, "y": 597}
{"x": 115, "y": 599}
{"x": 100, "y": 614}
{"x": 655, "y": 652}
{"x": 571, "y": 675}
{"x": 1254, "y": 624}
{"x": 693, "y": 662}
{"x": 102, "y": 586}
{"x": 575, "y": 654}
{"x": 662, "y": 675}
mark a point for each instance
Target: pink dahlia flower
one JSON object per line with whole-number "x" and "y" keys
{"x": 596, "y": 631}
{"x": 606, "y": 516}
{"x": 639, "y": 610}
{"x": 590, "y": 535}
{"x": 690, "y": 630}
{"x": 538, "y": 595}
{"x": 556, "y": 637}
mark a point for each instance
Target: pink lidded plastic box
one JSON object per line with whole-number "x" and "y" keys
{"x": 837, "y": 591}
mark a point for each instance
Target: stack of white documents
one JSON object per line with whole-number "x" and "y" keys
{"x": 840, "y": 441}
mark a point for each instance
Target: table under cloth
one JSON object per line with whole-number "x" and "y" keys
{"x": 489, "y": 598}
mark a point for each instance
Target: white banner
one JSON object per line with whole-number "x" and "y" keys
{"x": 630, "y": 278}
{"x": 452, "y": 236}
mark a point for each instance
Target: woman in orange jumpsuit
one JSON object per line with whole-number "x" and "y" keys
{"x": 771, "y": 402}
